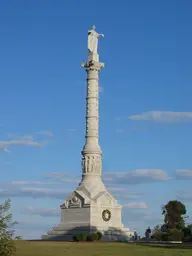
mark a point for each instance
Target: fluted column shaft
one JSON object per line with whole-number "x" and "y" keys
{"x": 91, "y": 153}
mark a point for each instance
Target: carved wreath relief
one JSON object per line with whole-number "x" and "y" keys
{"x": 106, "y": 215}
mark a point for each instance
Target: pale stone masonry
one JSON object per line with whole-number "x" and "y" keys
{"x": 91, "y": 207}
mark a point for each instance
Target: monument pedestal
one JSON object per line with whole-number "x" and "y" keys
{"x": 90, "y": 212}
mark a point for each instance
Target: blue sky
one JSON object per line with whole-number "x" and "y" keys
{"x": 145, "y": 105}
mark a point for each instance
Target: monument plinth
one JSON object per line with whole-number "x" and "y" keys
{"x": 91, "y": 207}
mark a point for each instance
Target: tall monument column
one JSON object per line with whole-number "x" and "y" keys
{"x": 91, "y": 153}
{"x": 91, "y": 207}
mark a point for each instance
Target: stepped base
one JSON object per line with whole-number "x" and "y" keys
{"x": 89, "y": 212}
{"x": 112, "y": 234}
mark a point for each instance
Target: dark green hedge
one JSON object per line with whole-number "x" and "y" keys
{"x": 80, "y": 237}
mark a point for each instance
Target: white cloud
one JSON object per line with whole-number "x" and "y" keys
{"x": 47, "y": 133}
{"x": 7, "y": 150}
{"x": 123, "y": 193}
{"x": 184, "y": 174}
{"x": 15, "y": 191}
{"x": 28, "y": 183}
{"x": 19, "y": 141}
{"x": 115, "y": 178}
{"x": 163, "y": 116}
{"x": 136, "y": 176}
{"x": 136, "y": 205}
{"x": 64, "y": 177}
{"x": 44, "y": 212}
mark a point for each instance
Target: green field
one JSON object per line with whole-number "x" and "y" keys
{"x": 25, "y": 248}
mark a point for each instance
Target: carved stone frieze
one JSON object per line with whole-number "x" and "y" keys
{"x": 91, "y": 164}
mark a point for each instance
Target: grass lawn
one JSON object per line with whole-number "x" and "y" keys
{"x": 25, "y": 248}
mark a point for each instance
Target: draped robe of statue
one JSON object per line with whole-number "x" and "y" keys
{"x": 93, "y": 40}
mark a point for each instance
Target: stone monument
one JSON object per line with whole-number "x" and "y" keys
{"x": 91, "y": 207}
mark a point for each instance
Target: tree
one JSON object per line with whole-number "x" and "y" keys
{"x": 174, "y": 212}
{"x": 7, "y": 246}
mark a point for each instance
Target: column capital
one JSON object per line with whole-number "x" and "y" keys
{"x": 93, "y": 65}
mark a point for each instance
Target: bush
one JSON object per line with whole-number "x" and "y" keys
{"x": 99, "y": 235}
{"x": 80, "y": 237}
{"x": 92, "y": 237}
{"x": 175, "y": 234}
{"x": 83, "y": 236}
{"x": 159, "y": 236}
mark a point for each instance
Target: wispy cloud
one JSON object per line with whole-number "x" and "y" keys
{"x": 7, "y": 150}
{"x": 136, "y": 205}
{"x": 184, "y": 174}
{"x": 163, "y": 116}
{"x": 136, "y": 176}
{"x": 63, "y": 176}
{"x": 33, "y": 192}
{"x": 46, "y": 133}
{"x": 19, "y": 141}
{"x": 18, "y": 183}
{"x": 44, "y": 212}
{"x": 123, "y": 193}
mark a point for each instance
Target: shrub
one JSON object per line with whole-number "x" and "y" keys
{"x": 92, "y": 237}
{"x": 99, "y": 235}
{"x": 80, "y": 237}
{"x": 83, "y": 236}
{"x": 175, "y": 234}
{"x": 159, "y": 236}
